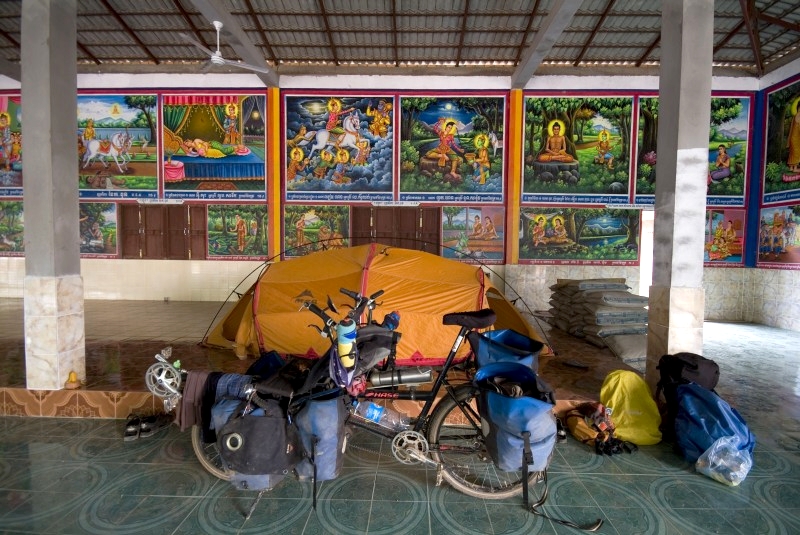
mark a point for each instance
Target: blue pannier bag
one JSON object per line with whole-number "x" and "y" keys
{"x": 702, "y": 418}
{"x": 514, "y": 402}
{"x": 320, "y": 424}
{"x": 505, "y": 345}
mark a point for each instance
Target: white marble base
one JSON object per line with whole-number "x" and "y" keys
{"x": 55, "y": 339}
{"x": 675, "y": 324}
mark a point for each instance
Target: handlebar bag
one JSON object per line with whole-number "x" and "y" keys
{"x": 505, "y": 345}
{"x": 514, "y": 401}
{"x": 260, "y": 442}
{"x": 320, "y": 424}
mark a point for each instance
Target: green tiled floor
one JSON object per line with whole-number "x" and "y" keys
{"x": 78, "y": 476}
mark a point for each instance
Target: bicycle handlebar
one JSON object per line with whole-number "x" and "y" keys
{"x": 361, "y": 303}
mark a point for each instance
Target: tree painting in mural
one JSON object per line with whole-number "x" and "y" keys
{"x": 727, "y": 146}
{"x": 451, "y": 145}
{"x": 98, "y": 228}
{"x": 117, "y": 142}
{"x": 729, "y": 128}
{"x": 579, "y": 234}
{"x": 237, "y": 230}
{"x": 782, "y": 163}
{"x": 11, "y": 228}
{"x": 577, "y": 145}
{"x": 315, "y": 228}
{"x": 648, "y": 145}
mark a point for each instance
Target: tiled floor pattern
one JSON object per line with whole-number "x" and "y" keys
{"x": 77, "y": 475}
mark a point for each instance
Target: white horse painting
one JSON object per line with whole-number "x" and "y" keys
{"x": 496, "y": 143}
{"x": 323, "y": 138}
{"x": 118, "y": 148}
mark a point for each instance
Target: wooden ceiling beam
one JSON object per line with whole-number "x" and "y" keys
{"x": 129, "y": 31}
{"x": 751, "y": 22}
{"x": 594, "y": 32}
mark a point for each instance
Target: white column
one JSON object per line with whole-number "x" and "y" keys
{"x": 53, "y": 294}
{"x": 677, "y": 299}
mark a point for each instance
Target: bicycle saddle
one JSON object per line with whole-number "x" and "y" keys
{"x": 478, "y": 319}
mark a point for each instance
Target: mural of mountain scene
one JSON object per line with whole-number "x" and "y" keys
{"x": 117, "y": 146}
{"x": 577, "y": 145}
{"x": 237, "y": 231}
{"x": 727, "y": 146}
{"x": 315, "y": 228}
{"x": 473, "y": 233}
{"x": 782, "y": 162}
{"x": 561, "y": 235}
{"x": 12, "y": 224}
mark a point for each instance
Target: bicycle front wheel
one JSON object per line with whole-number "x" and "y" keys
{"x": 208, "y": 455}
{"x": 454, "y": 433}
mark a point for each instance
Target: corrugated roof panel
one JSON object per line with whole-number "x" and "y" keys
{"x": 106, "y": 38}
{"x": 365, "y": 24}
{"x": 497, "y": 23}
{"x": 428, "y": 39}
{"x": 433, "y": 23}
{"x": 372, "y": 40}
{"x": 492, "y": 39}
{"x": 288, "y": 38}
{"x": 293, "y": 22}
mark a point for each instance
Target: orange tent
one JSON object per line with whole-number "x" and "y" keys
{"x": 420, "y": 286}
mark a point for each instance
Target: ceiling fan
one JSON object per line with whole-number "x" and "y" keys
{"x": 215, "y": 57}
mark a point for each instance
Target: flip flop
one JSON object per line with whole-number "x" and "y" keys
{"x": 150, "y": 425}
{"x": 133, "y": 428}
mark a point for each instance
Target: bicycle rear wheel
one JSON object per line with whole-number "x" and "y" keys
{"x": 456, "y": 441}
{"x": 208, "y": 455}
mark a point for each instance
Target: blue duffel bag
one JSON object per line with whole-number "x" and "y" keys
{"x": 515, "y": 402}
{"x": 702, "y": 418}
{"x": 505, "y": 345}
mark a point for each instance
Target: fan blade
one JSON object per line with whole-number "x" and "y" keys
{"x": 247, "y": 66}
{"x": 195, "y": 42}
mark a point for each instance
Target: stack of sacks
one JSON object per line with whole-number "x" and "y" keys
{"x": 603, "y": 312}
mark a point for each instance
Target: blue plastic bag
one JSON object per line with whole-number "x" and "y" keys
{"x": 505, "y": 345}
{"x": 703, "y": 418}
{"x": 506, "y": 417}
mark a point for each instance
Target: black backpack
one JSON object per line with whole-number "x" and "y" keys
{"x": 676, "y": 370}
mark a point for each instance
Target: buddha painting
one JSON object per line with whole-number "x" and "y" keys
{"x": 555, "y": 148}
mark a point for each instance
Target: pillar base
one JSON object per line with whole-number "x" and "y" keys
{"x": 675, "y": 324}
{"x": 55, "y": 340}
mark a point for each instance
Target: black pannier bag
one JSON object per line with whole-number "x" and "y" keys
{"x": 680, "y": 369}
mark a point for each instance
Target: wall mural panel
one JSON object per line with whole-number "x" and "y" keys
{"x": 452, "y": 149}
{"x": 98, "y": 229}
{"x": 474, "y": 233}
{"x": 339, "y": 148}
{"x": 728, "y": 150}
{"x": 724, "y": 237}
{"x": 561, "y": 235}
{"x": 12, "y": 225}
{"x": 10, "y": 146}
{"x": 307, "y": 229}
{"x": 237, "y": 231}
{"x": 577, "y": 149}
{"x": 778, "y": 243}
{"x": 782, "y": 150}
{"x": 117, "y": 146}
{"x": 214, "y": 147}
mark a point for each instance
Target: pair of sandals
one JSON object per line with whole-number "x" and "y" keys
{"x": 144, "y": 426}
